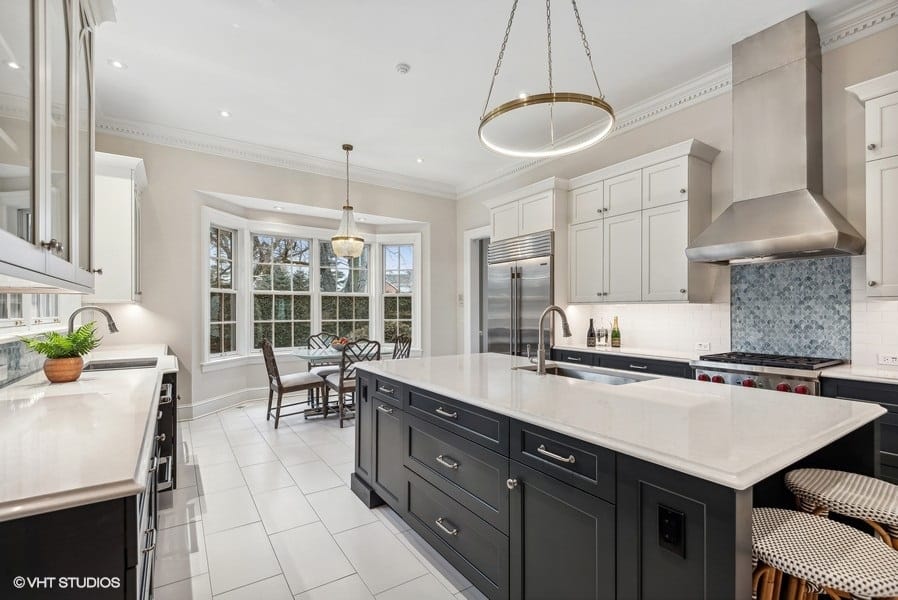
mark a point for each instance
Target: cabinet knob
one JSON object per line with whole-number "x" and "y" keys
{"x": 598, "y": 293}
{"x": 682, "y": 290}
{"x": 97, "y": 271}
{"x": 604, "y": 210}
{"x": 871, "y": 283}
{"x": 53, "y": 245}
{"x": 871, "y": 146}
{"x": 598, "y": 210}
{"x": 511, "y": 484}
{"x": 682, "y": 190}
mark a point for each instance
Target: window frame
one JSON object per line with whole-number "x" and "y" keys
{"x": 402, "y": 239}
{"x": 234, "y": 290}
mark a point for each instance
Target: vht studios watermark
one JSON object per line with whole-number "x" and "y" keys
{"x": 66, "y": 583}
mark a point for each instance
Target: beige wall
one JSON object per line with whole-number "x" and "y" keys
{"x": 170, "y": 243}
{"x": 711, "y": 122}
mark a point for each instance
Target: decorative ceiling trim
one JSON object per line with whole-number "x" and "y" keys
{"x": 209, "y": 144}
{"x": 849, "y": 26}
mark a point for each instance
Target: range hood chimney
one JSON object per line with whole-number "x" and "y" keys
{"x": 778, "y": 208}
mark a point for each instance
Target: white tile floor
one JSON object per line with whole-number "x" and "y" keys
{"x": 265, "y": 514}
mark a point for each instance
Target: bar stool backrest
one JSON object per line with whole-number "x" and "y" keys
{"x": 402, "y": 347}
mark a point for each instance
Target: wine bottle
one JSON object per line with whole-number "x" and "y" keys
{"x": 615, "y": 334}
{"x": 591, "y": 335}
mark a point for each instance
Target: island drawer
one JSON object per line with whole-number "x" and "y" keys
{"x": 582, "y": 465}
{"x": 470, "y": 544}
{"x": 572, "y": 356}
{"x": 470, "y": 474}
{"x": 480, "y": 426}
{"x": 651, "y": 366}
{"x": 388, "y": 391}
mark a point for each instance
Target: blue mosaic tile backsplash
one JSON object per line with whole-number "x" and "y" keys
{"x": 793, "y": 307}
{"x": 19, "y": 362}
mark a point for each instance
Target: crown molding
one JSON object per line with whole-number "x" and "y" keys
{"x": 848, "y": 26}
{"x": 228, "y": 148}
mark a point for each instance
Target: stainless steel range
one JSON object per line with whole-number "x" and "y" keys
{"x": 798, "y": 374}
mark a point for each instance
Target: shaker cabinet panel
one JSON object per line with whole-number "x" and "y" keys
{"x": 665, "y": 269}
{"x": 586, "y": 262}
{"x": 536, "y": 214}
{"x": 623, "y": 194}
{"x": 882, "y": 127}
{"x": 665, "y": 183}
{"x": 882, "y": 223}
{"x": 504, "y": 222}
{"x": 623, "y": 258}
{"x": 587, "y": 203}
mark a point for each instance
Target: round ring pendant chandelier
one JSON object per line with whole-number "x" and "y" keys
{"x": 549, "y": 124}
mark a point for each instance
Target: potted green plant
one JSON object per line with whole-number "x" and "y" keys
{"x": 64, "y": 352}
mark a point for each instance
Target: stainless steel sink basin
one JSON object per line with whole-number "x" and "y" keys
{"x": 596, "y": 374}
{"x": 125, "y": 363}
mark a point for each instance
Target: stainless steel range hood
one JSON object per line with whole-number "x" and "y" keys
{"x": 778, "y": 208}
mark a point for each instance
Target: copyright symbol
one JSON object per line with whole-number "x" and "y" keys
{"x": 19, "y": 582}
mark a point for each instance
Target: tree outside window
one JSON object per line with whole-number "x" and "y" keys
{"x": 222, "y": 292}
{"x": 398, "y": 286}
{"x": 282, "y": 302}
{"x": 345, "y": 303}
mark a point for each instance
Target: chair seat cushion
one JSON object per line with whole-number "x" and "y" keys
{"x": 333, "y": 380}
{"x": 824, "y": 552}
{"x": 300, "y": 379}
{"x": 848, "y": 494}
{"x": 325, "y": 370}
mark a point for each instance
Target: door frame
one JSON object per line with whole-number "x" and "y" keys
{"x": 471, "y": 287}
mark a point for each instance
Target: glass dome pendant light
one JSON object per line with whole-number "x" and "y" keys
{"x": 548, "y": 124}
{"x": 347, "y": 242}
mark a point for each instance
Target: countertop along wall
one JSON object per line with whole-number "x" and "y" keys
{"x": 170, "y": 311}
{"x": 676, "y": 326}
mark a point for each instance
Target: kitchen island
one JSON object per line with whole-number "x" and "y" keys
{"x": 555, "y": 487}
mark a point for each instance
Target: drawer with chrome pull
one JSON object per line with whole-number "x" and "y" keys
{"x": 388, "y": 391}
{"x": 469, "y": 473}
{"x": 480, "y": 426}
{"x": 470, "y": 544}
{"x": 590, "y": 468}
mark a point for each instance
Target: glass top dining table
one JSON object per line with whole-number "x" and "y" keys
{"x": 318, "y": 355}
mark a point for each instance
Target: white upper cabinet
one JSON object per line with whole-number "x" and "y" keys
{"x": 587, "y": 248}
{"x": 623, "y": 194}
{"x": 631, "y": 223}
{"x": 665, "y": 183}
{"x": 665, "y": 276}
{"x": 537, "y": 214}
{"x": 587, "y": 203}
{"x": 880, "y": 99}
{"x": 537, "y": 207}
{"x": 623, "y": 258}
{"x": 505, "y": 221}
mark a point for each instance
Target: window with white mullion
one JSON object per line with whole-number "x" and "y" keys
{"x": 345, "y": 302}
{"x": 222, "y": 334}
{"x": 398, "y": 268}
{"x": 44, "y": 308}
{"x": 11, "y": 310}
{"x": 282, "y": 299}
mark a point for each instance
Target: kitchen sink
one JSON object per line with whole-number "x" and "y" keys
{"x": 596, "y": 374}
{"x": 125, "y": 363}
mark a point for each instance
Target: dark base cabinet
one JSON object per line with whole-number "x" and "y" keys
{"x": 624, "y": 362}
{"x": 562, "y": 540}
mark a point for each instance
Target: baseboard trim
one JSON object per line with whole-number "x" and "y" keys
{"x": 217, "y": 404}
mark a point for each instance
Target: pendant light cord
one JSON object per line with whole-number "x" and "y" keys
{"x": 347, "y": 205}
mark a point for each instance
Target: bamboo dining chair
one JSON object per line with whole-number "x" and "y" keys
{"x": 321, "y": 368}
{"x": 286, "y": 384}
{"x": 402, "y": 347}
{"x": 343, "y": 382}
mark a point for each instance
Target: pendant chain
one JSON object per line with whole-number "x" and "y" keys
{"x": 586, "y": 48}
{"x": 486, "y": 104}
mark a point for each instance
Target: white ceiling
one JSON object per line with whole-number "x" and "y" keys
{"x": 307, "y": 76}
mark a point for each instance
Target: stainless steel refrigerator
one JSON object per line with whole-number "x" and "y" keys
{"x": 519, "y": 288}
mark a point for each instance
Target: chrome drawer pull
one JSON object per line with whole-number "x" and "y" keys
{"x": 155, "y": 465}
{"x": 569, "y": 460}
{"x": 385, "y": 389}
{"x": 159, "y": 416}
{"x": 443, "y": 413}
{"x": 385, "y": 409}
{"x": 440, "y": 521}
{"x": 449, "y": 464}
{"x": 152, "y": 546}
{"x": 160, "y": 437}
{"x": 164, "y": 400}
{"x": 574, "y": 358}
{"x": 640, "y": 367}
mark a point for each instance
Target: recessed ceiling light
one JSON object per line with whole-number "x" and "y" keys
{"x": 235, "y": 25}
{"x": 522, "y": 95}
{"x": 403, "y": 68}
{"x": 13, "y": 65}
{"x": 420, "y": 160}
{"x": 117, "y": 64}
{"x": 224, "y": 113}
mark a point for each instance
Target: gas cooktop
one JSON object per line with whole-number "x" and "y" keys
{"x": 809, "y": 363}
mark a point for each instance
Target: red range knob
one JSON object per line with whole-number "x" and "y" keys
{"x": 802, "y": 389}
{"x": 703, "y": 377}
{"x": 718, "y": 379}
{"x": 783, "y": 387}
{"x": 749, "y": 383}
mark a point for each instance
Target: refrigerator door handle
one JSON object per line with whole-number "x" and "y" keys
{"x": 513, "y": 332}
{"x": 519, "y": 321}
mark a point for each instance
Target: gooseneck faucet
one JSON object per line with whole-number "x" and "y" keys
{"x": 541, "y": 351}
{"x": 109, "y": 321}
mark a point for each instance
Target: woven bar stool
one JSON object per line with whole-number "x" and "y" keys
{"x": 821, "y": 556}
{"x": 858, "y": 496}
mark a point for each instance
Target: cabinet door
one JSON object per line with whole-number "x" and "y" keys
{"x": 623, "y": 262}
{"x": 882, "y": 127}
{"x": 363, "y": 430}
{"x": 113, "y": 246}
{"x": 504, "y": 222}
{"x": 665, "y": 183}
{"x": 57, "y": 220}
{"x": 562, "y": 540}
{"x": 623, "y": 193}
{"x": 882, "y": 223}
{"x": 536, "y": 214}
{"x": 389, "y": 476}
{"x": 587, "y": 203}
{"x": 586, "y": 262}
{"x": 665, "y": 269}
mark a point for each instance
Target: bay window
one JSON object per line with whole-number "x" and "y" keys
{"x": 222, "y": 292}
{"x": 398, "y": 286}
{"x": 282, "y": 302}
{"x": 345, "y": 301}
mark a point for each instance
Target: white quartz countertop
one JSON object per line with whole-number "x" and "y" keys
{"x": 889, "y": 376}
{"x": 69, "y": 444}
{"x": 726, "y": 434}
{"x": 632, "y": 351}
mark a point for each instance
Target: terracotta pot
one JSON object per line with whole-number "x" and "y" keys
{"x": 63, "y": 370}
